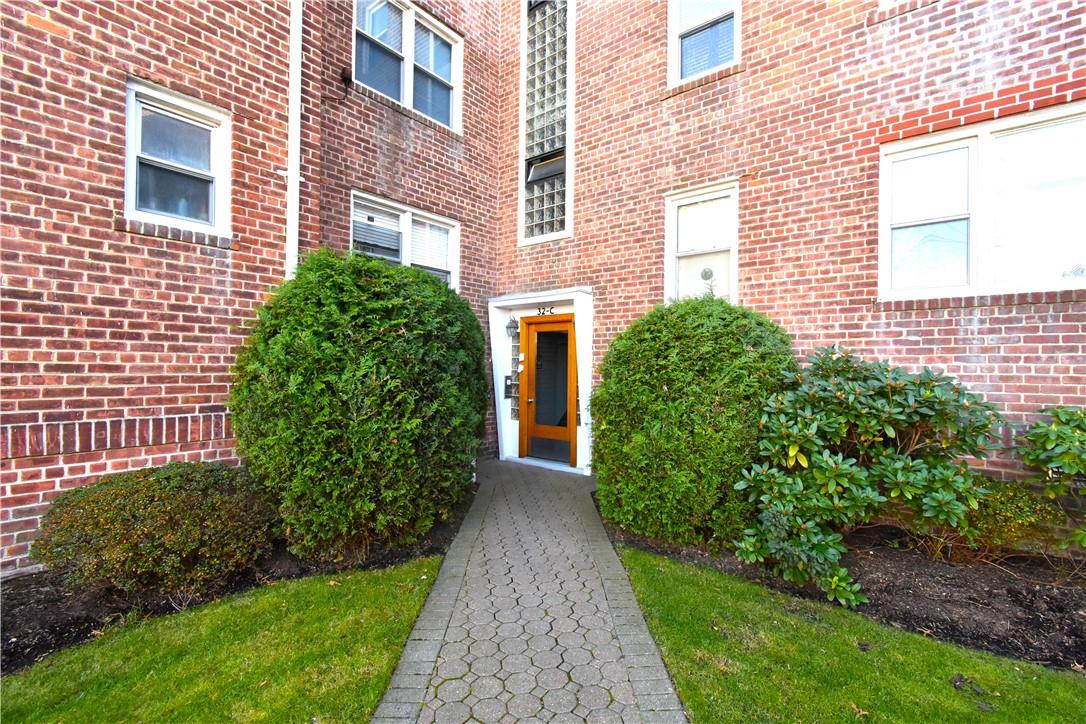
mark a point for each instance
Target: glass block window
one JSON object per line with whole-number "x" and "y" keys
{"x": 177, "y": 161}
{"x": 402, "y": 235}
{"x": 545, "y": 118}
{"x": 991, "y": 208}
{"x": 404, "y": 53}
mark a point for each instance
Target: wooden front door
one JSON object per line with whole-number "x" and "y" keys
{"x": 548, "y": 389}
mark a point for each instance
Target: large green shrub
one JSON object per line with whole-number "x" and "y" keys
{"x": 1057, "y": 447}
{"x": 359, "y": 399}
{"x": 851, "y": 437}
{"x": 179, "y": 530}
{"x": 675, "y": 417}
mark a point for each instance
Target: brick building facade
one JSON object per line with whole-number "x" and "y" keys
{"x": 549, "y": 159}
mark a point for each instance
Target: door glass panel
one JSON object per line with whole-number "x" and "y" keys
{"x": 551, "y": 378}
{"x": 557, "y": 450}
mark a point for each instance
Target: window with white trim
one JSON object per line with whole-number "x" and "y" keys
{"x": 986, "y": 209}
{"x": 402, "y": 235}
{"x": 404, "y": 53}
{"x": 177, "y": 161}
{"x": 701, "y": 242}
{"x": 703, "y": 37}
{"x": 547, "y": 191}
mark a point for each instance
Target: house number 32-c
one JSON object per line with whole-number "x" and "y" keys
{"x": 543, "y": 311}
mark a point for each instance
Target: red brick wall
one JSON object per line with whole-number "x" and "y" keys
{"x": 118, "y": 337}
{"x": 371, "y": 144}
{"x": 819, "y": 86}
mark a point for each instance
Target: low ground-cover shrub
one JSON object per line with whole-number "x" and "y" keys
{"x": 179, "y": 530}
{"x": 675, "y": 417}
{"x": 359, "y": 400}
{"x": 848, "y": 440}
{"x": 1057, "y": 448}
{"x": 1009, "y": 517}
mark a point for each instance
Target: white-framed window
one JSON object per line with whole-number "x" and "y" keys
{"x": 546, "y": 149}
{"x": 992, "y": 208}
{"x": 703, "y": 36}
{"x": 404, "y": 53}
{"x": 403, "y": 235}
{"x": 177, "y": 161}
{"x": 701, "y": 242}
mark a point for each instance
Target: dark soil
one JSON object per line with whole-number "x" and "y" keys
{"x": 1023, "y": 607}
{"x": 40, "y": 615}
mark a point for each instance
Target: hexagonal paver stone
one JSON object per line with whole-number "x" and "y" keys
{"x": 593, "y": 697}
{"x": 524, "y": 705}
{"x": 559, "y": 701}
{"x": 552, "y": 678}
{"x": 452, "y": 713}
{"x": 488, "y": 710}
{"x": 453, "y": 690}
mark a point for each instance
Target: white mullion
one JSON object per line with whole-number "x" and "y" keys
{"x": 407, "y": 229}
{"x": 980, "y": 280}
{"x": 409, "y": 57}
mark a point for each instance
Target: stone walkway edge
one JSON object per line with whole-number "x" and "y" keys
{"x": 412, "y": 693}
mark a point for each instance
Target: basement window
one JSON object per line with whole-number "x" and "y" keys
{"x": 177, "y": 161}
{"x": 403, "y": 235}
{"x": 388, "y": 34}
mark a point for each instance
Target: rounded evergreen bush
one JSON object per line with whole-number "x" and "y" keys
{"x": 180, "y": 530}
{"x": 676, "y": 417}
{"x": 359, "y": 399}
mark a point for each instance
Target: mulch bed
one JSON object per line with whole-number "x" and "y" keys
{"x": 41, "y": 616}
{"x": 1023, "y": 607}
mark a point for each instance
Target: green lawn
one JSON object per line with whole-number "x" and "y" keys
{"x": 740, "y": 652}
{"x": 317, "y": 649}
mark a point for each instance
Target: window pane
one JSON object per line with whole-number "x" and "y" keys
{"x": 432, "y": 52}
{"x": 712, "y": 224}
{"x": 171, "y": 139}
{"x": 382, "y": 20}
{"x": 375, "y": 231}
{"x": 432, "y": 97}
{"x": 429, "y": 245}
{"x": 1039, "y": 180}
{"x": 170, "y": 192}
{"x": 702, "y": 274}
{"x": 375, "y": 241}
{"x": 552, "y": 379}
{"x": 934, "y": 186}
{"x": 377, "y": 68}
{"x": 930, "y": 255}
{"x": 712, "y": 46}
{"x": 693, "y": 13}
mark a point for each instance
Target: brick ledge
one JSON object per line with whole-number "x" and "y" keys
{"x": 161, "y": 231}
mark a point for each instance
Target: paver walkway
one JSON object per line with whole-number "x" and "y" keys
{"x": 531, "y": 618}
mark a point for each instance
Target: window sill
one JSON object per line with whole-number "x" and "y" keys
{"x": 982, "y": 300}
{"x": 712, "y": 77}
{"x": 546, "y": 238}
{"x": 163, "y": 231}
{"x": 901, "y": 8}
{"x": 367, "y": 92}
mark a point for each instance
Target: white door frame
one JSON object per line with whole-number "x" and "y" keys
{"x": 578, "y": 301}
